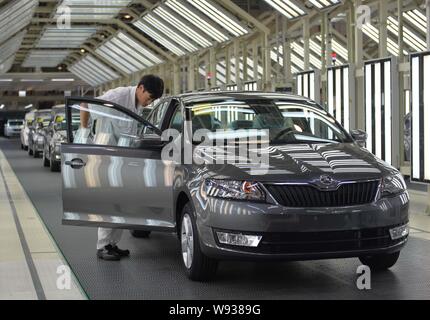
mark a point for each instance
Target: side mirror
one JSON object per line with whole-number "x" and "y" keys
{"x": 360, "y": 136}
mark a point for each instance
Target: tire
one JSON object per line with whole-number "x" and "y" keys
{"x": 140, "y": 234}
{"x": 22, "y": 146}
{"x": 55, "y": 166}
{"x": 35, "y": 153}
{"x": 45, "y": 160}
{"x": 380, "y": 262}
{"x": 198, "y": 266}
{"x": 30, "y": 150}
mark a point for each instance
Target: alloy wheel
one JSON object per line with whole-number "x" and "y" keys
{"x": 187, "y": 241}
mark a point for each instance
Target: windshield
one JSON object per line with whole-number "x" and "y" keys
{"x": 63, "y": 125}
{"x": 286, "y": 121}
{"x": 15, "y": 123}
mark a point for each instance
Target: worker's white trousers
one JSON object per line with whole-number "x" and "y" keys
{"x": 108, "y": 236}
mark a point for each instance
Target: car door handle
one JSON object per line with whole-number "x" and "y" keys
{"x": 75, "y": 163}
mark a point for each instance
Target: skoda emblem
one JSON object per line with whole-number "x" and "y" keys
{"x": 326, "y": 180}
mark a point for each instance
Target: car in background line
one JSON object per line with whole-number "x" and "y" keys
{"x": 323, "y": 196}
{"x": 36, "y": 132}
{"x": 28, "y": 122}
{"x": 54, "y": 137}
{"x": 13, "y": 128}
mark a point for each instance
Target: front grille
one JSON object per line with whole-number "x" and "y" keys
{"x": 308, "y": 196}
{"x": 325, "y": 241}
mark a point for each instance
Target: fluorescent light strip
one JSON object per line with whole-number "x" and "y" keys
{"x": 330, "y": 96}
{"x": 426, "y": 115}
{"x": 387, "y": 111}
{"x": 378, "y": 106}
{"x": 65, "y": 38}
{"x": 369, "y": 130}
{"x": 346, "y": 99}
{"x": 15, "y": 16}
{"x": 167, "y": 16}
{"x": 312, "y": 84}
{"x": 415, "y": 75}
{"x": 117, "y": 56}
{"x": 143, "y": 51}
{"x": 321, "y": 4}
{"x": 299, "y": 84}
{"x": 409, "y": 37}
{"x": 170, "y": 33}
{"x": 305, "y": 86}
{"x": 216, "y": 14}
{"x": 93, "y": 72}
{"x": 90, "y": 9}
{"x": 287, "y": 8}
{"x": 131, "y": 54}
{"x": 373, "y": 33}
{"x": 298, "y": 48}
{"x": 200, "y": 23}
{"x": 337, "y": 47}
{"x": 417, "y": 19}
{"x": 82, "y": 75}
{"x": 102, "y": 67}
{"x": 338, "y": 96}
{"x": 159, "y": 38}
{"x": 63, "y": 80}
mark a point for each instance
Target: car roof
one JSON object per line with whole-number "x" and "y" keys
{"x": 196, "y": 97}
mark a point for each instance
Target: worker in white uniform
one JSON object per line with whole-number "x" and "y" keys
{"x": 149, "y": 89}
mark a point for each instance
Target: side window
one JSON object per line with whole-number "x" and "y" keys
{"x": 177, "y": 120}
{"x": 160, "y": 113}
{"x": 103, "y": 125}
{"x": 157, "y": 115}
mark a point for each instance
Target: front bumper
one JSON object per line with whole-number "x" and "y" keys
{"x": 302, "y": 233}
{"x": 13, "y": 133}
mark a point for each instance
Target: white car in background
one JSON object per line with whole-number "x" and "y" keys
{"x": 12, "y": 128}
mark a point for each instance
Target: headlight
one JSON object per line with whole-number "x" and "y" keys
{"x": 393, "y": 185}
{"x": 236, "y": 190}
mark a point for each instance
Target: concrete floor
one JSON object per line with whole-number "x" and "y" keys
{"x": 154, "y": 269}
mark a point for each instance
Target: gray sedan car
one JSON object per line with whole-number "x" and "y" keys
{"x": 317, "y": 195}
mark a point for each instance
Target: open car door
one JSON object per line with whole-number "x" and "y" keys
{"x": 112, "y": 173}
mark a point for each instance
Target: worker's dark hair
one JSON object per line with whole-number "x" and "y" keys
{"x": 153, "y": 84}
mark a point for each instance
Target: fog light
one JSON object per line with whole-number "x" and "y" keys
{"x": 399, "y": 232}
{"x": 238, "y": 239}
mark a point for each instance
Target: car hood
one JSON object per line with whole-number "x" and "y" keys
{"x": 302, "y": 162}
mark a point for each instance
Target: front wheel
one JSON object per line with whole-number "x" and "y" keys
{"x": 380, "y": 262}
{"x": 198, "y": 266}
{"x": 54, "y": 165}
{"x": 35, "y": 153}
{"x": 45, "y": 160}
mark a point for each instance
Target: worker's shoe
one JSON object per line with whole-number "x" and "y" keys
{"x": 108, "y": 253}
{"x": 121, "y": 253}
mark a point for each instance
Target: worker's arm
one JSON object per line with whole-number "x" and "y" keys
{"x": 85, "y": 115}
